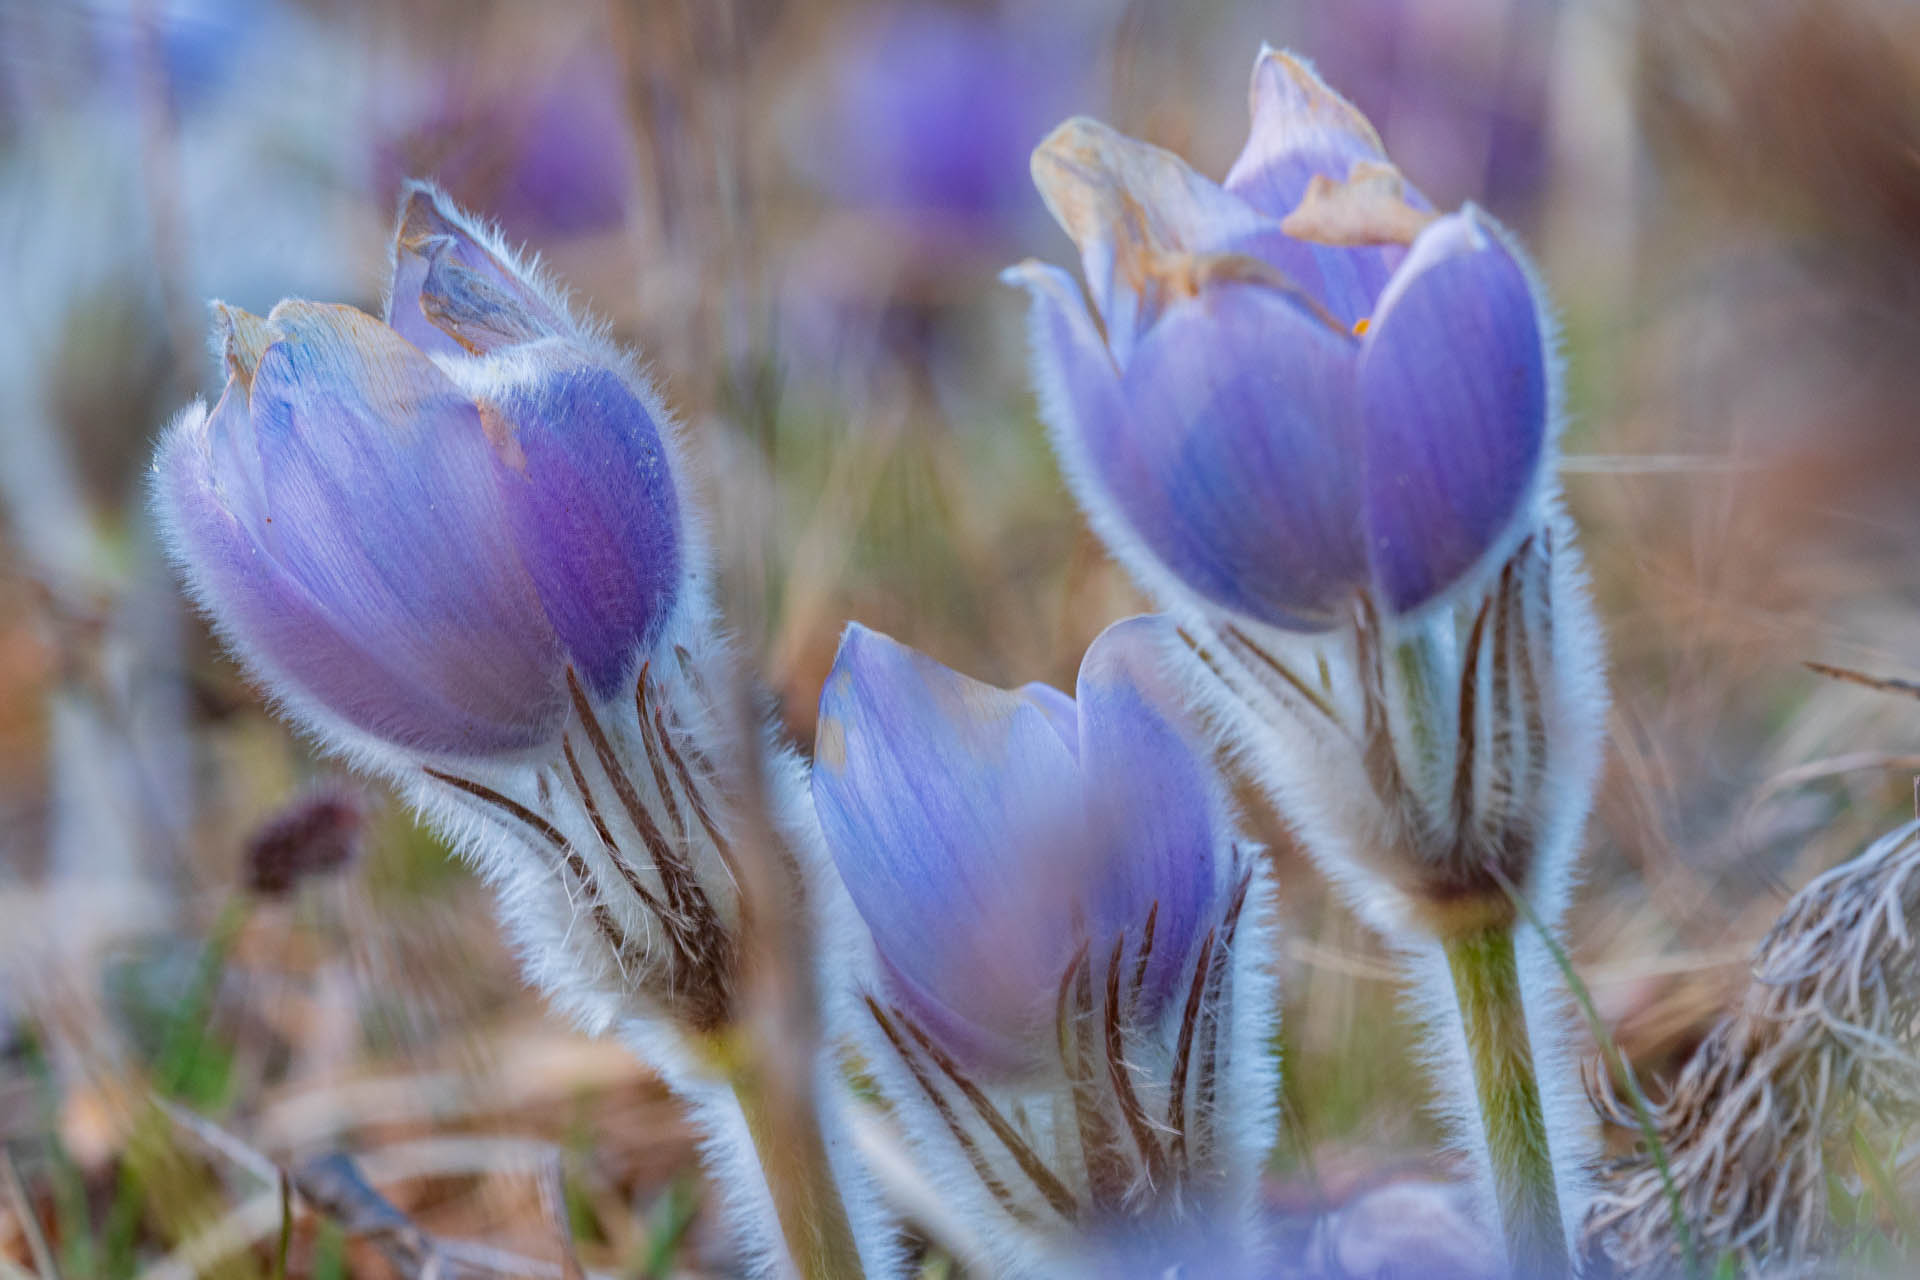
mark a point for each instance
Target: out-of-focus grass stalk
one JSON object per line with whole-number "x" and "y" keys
{"x": 71, "y": 1219}
{"x": 153, "y": 1173}
{"x": 1486, "y": 981}
{"x": 283, "y": 1245}
{"x": 770, "y": 1054}
{"x": 667, "y": 1229}
{"x": 784, "y": 1122}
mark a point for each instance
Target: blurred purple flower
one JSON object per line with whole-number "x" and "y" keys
{"x": 423, "y": 546}
{"x": 1297, "y": 386}
{"x": 548, "y": 153}
{"x": 987, "y": 836}
{"x": 933, "y": 110}
{"x": 1460, "y": 84}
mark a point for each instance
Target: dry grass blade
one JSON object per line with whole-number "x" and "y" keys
{"x": 43, "y": 1262}
{"x": 1884, "y": 684}
{"x": 1829, "y": 1028}
{"x": 552, "y": 1185}
{"x": 334, "y": 1185}
{"x": 345, "y": 1189}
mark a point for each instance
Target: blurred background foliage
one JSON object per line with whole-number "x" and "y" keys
{"x": 797, "y": 210}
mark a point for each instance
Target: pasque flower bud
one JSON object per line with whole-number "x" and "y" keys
{"x": 1068, "y": 998}
{"x": 451, "y": 544}
{"x": 411, "y": 530}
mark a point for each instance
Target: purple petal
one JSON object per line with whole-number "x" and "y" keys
{"x": 1239, "y": 464}
{"x": 1453, "y": 403}
{"x": 380, "y": 504}
{"x": 1346, "y": 282}
{"x": 287, "y": 638}
{"x": 431, "y": 228}
{"x": 1301, "y": 130}
{"x": 1059, "y": 711}
{"x": 1225, "y": 448}
{"x": 1153, "y": 803}
{"x": 1138, "y": 214}
{"x": 953, "y": 812}
{"x": 591, "y": 502}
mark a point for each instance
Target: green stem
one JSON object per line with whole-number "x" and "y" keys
{"x": 792, "y": 1152}
{"x": 1617, "y": 1065}
{"x": 1486, "y": 981}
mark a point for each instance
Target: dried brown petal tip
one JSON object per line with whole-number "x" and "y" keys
{"x": 1370, "y": 207}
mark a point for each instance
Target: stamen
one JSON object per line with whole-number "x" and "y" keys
{"x": 703, "y": 939}
{"x": 676, "y": 876}
{"x": 701, "y": 813}
{"x": 1503, "y": 681}
{"x": 1231, "y": 925}
{"x": 1378, "y": 754}
{"x": 1200, "y": 652}
{"x": 627, "y": 873}
{"x": 660, "y": 783}
{"x": 1212, "y": 1027}
{"x": 1463, "y": 778}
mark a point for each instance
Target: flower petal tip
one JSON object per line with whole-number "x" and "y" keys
{"x": 242, "y": 338}
{"x": 1284, "y": 83}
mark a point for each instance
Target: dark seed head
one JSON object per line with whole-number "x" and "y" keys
{"x": 317, "y": 833}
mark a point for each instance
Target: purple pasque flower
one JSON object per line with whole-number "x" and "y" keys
{"x": 1056, "y": 899}
{"x": 546, "y": 147}
{"x": 1296, "y": 386}
{"x": 985, "y": 835}
{"x": 413, "y": 530}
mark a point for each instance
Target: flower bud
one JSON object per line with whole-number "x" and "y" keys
{"x": 451, "y": 544}
{"x": 1058, "y": 905}
{"x": 412, "y": 530}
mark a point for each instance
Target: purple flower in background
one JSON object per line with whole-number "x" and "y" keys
{"x": 1462, "y": 85}
{"x": 1056, "y": 898}
{"x": 934, "y": 108}
{"x": 417, "y": 528}
{"x": 1297, "y": 386}
{"x": 548, "y": 152}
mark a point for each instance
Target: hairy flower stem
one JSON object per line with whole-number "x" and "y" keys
{"x": 1486, "y": 982}
{"x": 784, "y": 1123}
